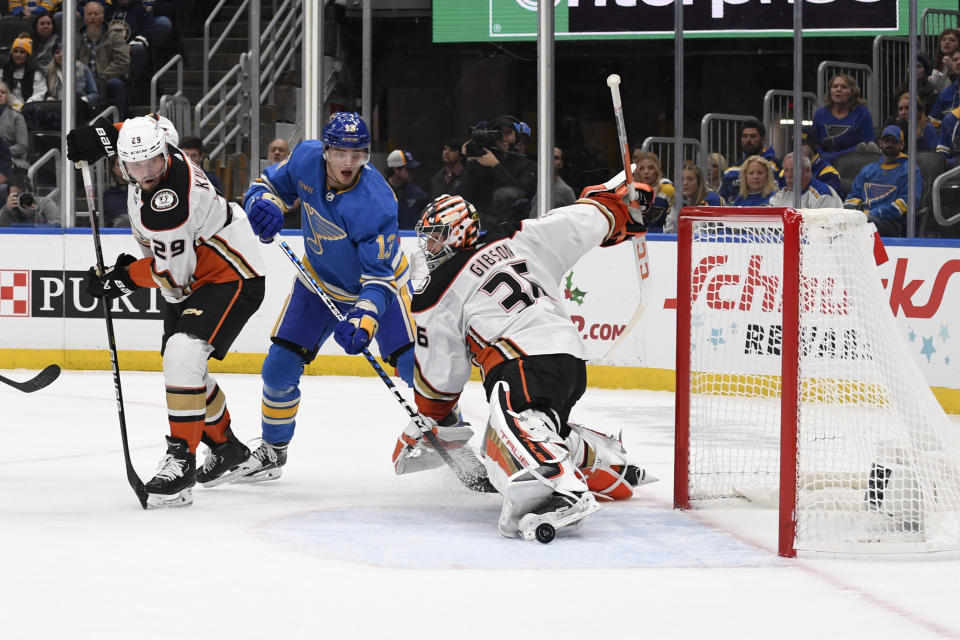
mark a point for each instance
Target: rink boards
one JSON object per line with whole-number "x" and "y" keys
{"x": 45, "y": 316}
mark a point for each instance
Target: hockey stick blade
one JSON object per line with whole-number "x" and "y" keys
{"x": 37, "y": 382}
{"x": 471, "y": 479}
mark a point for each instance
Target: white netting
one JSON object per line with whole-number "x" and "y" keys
{"x": 878, "y": 461}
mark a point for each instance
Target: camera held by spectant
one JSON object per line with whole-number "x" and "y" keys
{"x": 483, "y": 137}
{"x": 27, "y": 200}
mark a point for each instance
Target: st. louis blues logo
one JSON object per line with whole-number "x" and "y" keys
{"x": 877, "y": 192}
{"x": 322, "y": 229}
{"x": 834, "y": 131}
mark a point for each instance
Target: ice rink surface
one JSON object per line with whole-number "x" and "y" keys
{"x": 340, "y": 547}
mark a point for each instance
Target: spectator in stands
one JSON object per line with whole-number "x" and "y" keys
{"x": 13, "y": 131}
{"x": 523, "y": 138}
{"x": 278, "y": 151}
{"x": 694, "y": 190}
{"x": 925, "y": 89}
{"x": 560, "y": 192}
{"x": 115, "y": 198}
{"x": 813, "y": 193}
{"x": 411, "y": 199}
{"x": 881, "y": 188}
{"x": 132, "y": 19}
{"x": 944, "y": 68}
{"x": 105, "y": 52}
{"x": 192, "y": 147}
{"x": 820, "y": 168}
{"x": 753, "y": 141}
{"x": 949, "y": 98}
{"x": 85, "y": 83}
{"x": 44, "y": 39}
{"x": 499, "y": 182}
{"x": 926, "y": 132}
{"x": 24, "y": 81}
{"x": 32, "y": 8}
{"x": 844, "y": 123}
{"x": 164, "y": 12}
{"x": 23, "y": 208}
{"x": 758, "y": 182}
{"x": 949, "y": 143}
{"x": 649, "y": 173}
{"x": 716, "y": 166}
{"x": 447, "y": 179}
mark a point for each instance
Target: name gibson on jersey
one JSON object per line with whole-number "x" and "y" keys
{"x": 483, "y": 261}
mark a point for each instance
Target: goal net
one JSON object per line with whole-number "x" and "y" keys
{"x": 795, "y": 386}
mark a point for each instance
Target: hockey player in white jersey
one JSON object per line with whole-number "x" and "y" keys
{"x": 492, "y": 302}
{"x": 200, "y": 251}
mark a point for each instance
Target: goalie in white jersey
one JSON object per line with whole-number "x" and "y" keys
{"x": 200, "y": 251}
{"x": 493, "y": 303}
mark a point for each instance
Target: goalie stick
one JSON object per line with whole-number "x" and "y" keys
{"x": 135, "y": 482}
{"x": 37, "y": 382}
{"x": 468, "y": 469}
{"x": 641, "y": 259}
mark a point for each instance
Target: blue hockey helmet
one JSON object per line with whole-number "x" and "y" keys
{"x": 346, "y": 129}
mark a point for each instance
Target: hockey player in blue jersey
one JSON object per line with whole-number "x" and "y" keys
{"x": 881, "y": 188}
{"x": 349, "y": 222}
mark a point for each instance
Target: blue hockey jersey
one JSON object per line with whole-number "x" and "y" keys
{"x": 839, "y": 136}
{"x": 881, "y": 189}
{"x": 350, "y": 237}
{"x": 730, "y": 182}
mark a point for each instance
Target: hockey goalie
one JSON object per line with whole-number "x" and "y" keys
{"x": 491, "y": 302}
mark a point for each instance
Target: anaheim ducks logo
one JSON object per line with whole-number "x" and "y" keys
{"x": 164, "y": 200}
{"x": 322, "y": 229}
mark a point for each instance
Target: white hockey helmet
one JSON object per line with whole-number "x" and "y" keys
{"x": 172, "y": 136}
{"x": 140, "y": 139}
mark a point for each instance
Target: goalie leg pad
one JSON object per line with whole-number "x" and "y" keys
{"x": 413, "y": 453}
{"x": 525, "y": 459}
{"x": 605, "y": 464}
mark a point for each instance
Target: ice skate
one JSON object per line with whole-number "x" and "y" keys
{"x": 225, "y": 461}
{"x": 560, "y": 510}
{"x": 172, "y": 486}
{"x": 268, "y": 459}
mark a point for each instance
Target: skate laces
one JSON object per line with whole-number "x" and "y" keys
{"x": 265, "y": 452}
{"x": 210, "y": 460}
{"x": 170, "y": 467}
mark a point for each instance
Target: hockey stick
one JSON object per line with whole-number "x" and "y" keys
{"x": 474, "y": 480}
{"x": 37, "y": 382}
{"x": 135, "y": 482}
{"x": 640, "y": 254}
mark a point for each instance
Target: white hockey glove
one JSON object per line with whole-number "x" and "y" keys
{"x": 413, "y": 453}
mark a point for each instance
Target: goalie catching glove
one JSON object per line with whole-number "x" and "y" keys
{"x": 114, "y": 282}
{"x": 613, "y": 198}
{"x": 413, "y": 453}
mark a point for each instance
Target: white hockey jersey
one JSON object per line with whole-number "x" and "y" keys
{"x": 500, "y": 300}
{"x": 189, "y": 234}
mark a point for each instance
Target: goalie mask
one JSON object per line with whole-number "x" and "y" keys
{"x": 142, "y": 151}
{"x": 447, "y": 225}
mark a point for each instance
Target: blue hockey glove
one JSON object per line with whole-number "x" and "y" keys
{"x": 114, "y": 282}
{"x": 357, "y": 329}
{"x": 266, "y": 217}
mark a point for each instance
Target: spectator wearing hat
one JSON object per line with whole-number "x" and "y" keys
{"x": 21, "y": 75}
{"x": 106, "y": 53}
{"x": 881, "y": 189}
{"x": 926, "y": 90}
{"x": 523, "y": 138}
{"x": 411, "y": 199}
{"x": 447, "y": 180}
{"x": 820, "y": 168}
{"x": 44, "y": 37}
{"x": 13, "y": 130}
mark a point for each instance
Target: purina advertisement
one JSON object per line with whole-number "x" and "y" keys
{"x": 621, "y": 299}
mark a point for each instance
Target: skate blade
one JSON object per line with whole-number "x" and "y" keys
{"x": 181, "y": 499}
{"x": 230, "y": 476}
{"x": 261, "y": 476}
{"x": 569, "y": 523}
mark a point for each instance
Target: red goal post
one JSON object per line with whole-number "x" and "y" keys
{"x": 788, "y": 357}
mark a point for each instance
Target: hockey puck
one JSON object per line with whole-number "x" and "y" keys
{"x": 545, "y": 533}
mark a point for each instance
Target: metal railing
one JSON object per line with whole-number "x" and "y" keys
{"x": 54, "y": 194}
{"x": 279, "y": 43}
{"x": 208, "y": 49}
{"x": 941, "y": 182}
{"x": 891, "y": 68}
{"x": 177, "y": 61}
{"x": 663, "y": 148}
{"x": 720, "y": 133}
{"x": 230, "y": 88}
{"x": 778, "y": 117}
{"x": 932, "y": 22}
{"x": 177, "y": 110}
{"x": 861, "y": 73}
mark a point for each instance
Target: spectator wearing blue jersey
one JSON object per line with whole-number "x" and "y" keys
{"x": 820, "y": 169}
{"x": 881, "y": 188}
{"x": 758, "y": 183}
{"x": 753, "y": 142}
{"x": 352, "y": 249}
{"x": 844, "y": 122}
